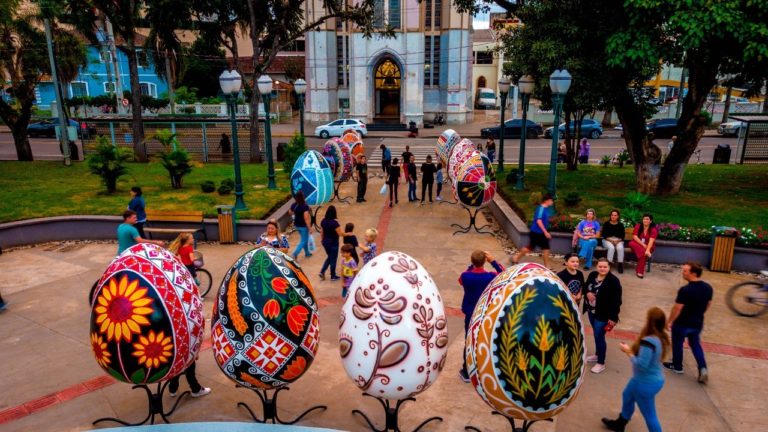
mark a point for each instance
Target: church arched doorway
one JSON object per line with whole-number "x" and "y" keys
{"x": 386, "y": 90}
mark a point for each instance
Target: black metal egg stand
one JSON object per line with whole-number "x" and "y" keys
{"x": 336, "y": 196}
{"x": 269, "y": 407}
{"x": 313, "y": 217}
{"x": 391, "y": 419}
{"x": 155, "y": 406}
{"x": 512, "y": 422}
{"x": 472, "y": 224}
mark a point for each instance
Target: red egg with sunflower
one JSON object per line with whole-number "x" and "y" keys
{"x": 265, "y": 321}
{"x": 146, "y": 317}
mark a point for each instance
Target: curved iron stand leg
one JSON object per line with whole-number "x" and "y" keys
{"x": 336, "y": 186}
{"x": 472, "y": 224}
{"x": 525, "y": 426}
{"x": 391, "y": 422}
{"x": 154, "y": 406}
{"x": 269, "y": 407}
{"x": 313, "y": 218}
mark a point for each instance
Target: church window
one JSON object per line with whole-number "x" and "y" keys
{"x": 386, "y": 13}
{"x": 342, "y": 60}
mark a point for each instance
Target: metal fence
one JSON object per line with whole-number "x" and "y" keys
{"x": 201, "y": 138}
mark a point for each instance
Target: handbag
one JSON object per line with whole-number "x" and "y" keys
{"x": 311, "y": 244}
{"x": 383, "y": 190}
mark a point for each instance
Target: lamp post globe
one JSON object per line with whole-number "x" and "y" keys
{"x": 525, "y": 87}
{"x": 504, "y": 84}
{"x": 230, "y": 82}
{"x": 265, "y": 88}
{"x": 300, "y": 86}
{"x": 559, "y": 83}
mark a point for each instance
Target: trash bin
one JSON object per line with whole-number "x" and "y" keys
{"x": 281, "y": 151}
{"x": 721, "y": 253}
{"x": 722, "y": 154}
{"x": 227, "y": 223}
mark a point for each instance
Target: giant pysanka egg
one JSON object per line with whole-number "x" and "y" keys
{"x": 265, "y": 322}
{"x": 461, "y": 152}
{"x": 332, "y": 153}
{"x": 525, "y": 344}
{"x": 147, "y": 316}
{"x": 393, "y": 336}
{"x": 347, "y": 162}
{"x": 312, "y": 175}
{"x": 475, "y": 182}
{"x": 445, "y": 143}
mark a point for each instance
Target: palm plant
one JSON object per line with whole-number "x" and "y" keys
{"x": 108, "y": 162}
{"x": 175, "y": 159}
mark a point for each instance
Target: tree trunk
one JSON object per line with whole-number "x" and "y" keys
{"x": 727, "y": 107}
{"x": 139, "y": 150}
{"x": 21, "y": 141}
{"x": 254, "y": 122}
{"x": 607, "y": 116}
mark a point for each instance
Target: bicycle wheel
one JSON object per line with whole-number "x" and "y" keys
{"x": 748, "y": 299}
{"x": 204, "y": 276}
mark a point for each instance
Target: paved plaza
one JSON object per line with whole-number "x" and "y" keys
{"x": 51, "y": 381}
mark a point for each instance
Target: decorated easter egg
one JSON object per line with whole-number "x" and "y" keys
{"x": 147, "y": 316}
{"x": 333, "y": 156}
{"x": 265, "y": 322}
{"x": 312, "y": 175}
{"x": 393, "y": 336}
{"x": 525, "y": 344}
{"x": 358, "y": 149}
{"x": 475, "y": 184}
{"x": 445, "y": 143}
{"x": 350, "y": 136}
{"x": 460, "y": 153}
{"x": 347, "y": 162}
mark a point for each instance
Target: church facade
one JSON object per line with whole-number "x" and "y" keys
{"x": 424, "y": 70}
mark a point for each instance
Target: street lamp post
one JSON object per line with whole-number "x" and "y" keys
{"x": 503, "y": 91}
{"x": 559, "y": 82}
{"x": 265, "y": 88}
{"x": 301, "y": 87}
{"x": 525, "y": 87}
{"x": 230, "y": 83}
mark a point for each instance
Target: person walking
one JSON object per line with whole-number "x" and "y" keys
{"x": 406, "y": 155}
{"x": 474, "y": 280}
{"x": 225, "y": 146}
{"x": 585, "y": 238}
{"x": 613, "y": 239}
{"x": 386, "y": 159}
{"x": 301, "y": 221}
{"x": 393, "y": 180}
{"x": 411, "y": 177}
{"x": 128, "y": 235}
{"x": 439, "y": 181}
{"x": 643, "y": 242}
{"x": 331, "y": 232}
{"x": 428, "y": 170}
{"x": 138, "y": 205}
{"x": 490, "y": 147}
{"x": 584, "y": 151}
{"x": 646, "y": 353}
{"x": 539, "y": 236}
{"x": 603, "y": 293}
{"x": 686, "y": 320}
{"x": 361, "y": 176}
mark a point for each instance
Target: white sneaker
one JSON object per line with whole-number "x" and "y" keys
{"x": 203, "y": 391}
{"x": 597, "y": 368}
{"x": 173, "y": 394}
{"x": 592, "y": 359}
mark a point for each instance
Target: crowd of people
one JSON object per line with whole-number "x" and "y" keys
{"x": 406, "y": 170}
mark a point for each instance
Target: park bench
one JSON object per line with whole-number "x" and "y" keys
{"x": 601, "y": 252}
{"x": 194, "y": 218}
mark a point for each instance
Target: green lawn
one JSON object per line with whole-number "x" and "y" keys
{"x": 733, "y": 195}
{"x": 37, "y": 189}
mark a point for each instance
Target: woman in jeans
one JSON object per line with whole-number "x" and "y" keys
{"x": 586, "y": 235}
{"x": 613, "y": 238}
{"x": 646, "y": 355}
{"x": 331, "y": 233}
{"x": 301, "y": 221}
{"x": 602, "y": 291}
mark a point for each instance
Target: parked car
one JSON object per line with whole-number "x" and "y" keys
{"x": 590, "y": 128}
{"x": 731, "y": 128}
{"x": 662, "y": 128}
{"x": 337, "y": 128}
{"x": 47, "y": 128}
{"x": 513, "y": 129}
{"x": 486, "y": 98}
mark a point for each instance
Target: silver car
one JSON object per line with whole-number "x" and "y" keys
{"x": 337, "y": 128}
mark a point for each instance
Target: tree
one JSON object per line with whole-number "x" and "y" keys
{"x": 23, "y": 63}
{"x": 202, "y": 65}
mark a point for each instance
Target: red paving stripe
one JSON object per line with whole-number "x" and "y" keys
{"x": 384, "y": 219}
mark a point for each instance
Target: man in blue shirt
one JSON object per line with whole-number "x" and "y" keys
{"x": 128, "y": 235}
{"x": 386, "y": 159}
{"x": 540, "y": 235}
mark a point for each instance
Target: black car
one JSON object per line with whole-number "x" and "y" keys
{"x": 512, "y": 129}
{"x": 47, "y": 128}
{"x": 662, "y": 128}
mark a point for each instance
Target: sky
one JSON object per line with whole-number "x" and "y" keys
{"x": 481, "y": 20}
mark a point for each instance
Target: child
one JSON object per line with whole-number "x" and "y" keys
{"x": 474, "y": 281}
{"x": 182, "y": 247}
{"x": 369, "y": 249}
{"x": 348, "y": 268}
{"x": 351, "y": 239}
{"x": 439, "y": 180}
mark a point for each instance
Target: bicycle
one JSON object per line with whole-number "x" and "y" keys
{"x": 749, "y": 299}
{"x": 203, "y": 276}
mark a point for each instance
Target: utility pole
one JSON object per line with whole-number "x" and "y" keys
{"x": 63, "y": 136}
{"x": 116, "y": 64}
{"x": 169, "y": 78}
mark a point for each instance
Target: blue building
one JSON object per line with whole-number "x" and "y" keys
{"x": 99, "y": 78}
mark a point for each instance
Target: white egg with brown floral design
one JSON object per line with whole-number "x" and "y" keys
{"x": 393, "y": 336}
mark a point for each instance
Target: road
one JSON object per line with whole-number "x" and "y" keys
{"x": 537, "y": 150}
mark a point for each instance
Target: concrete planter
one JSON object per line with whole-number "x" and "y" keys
{"x": 667, "y": 251}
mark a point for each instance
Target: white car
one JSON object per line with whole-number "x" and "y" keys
{"x": 731, "y": 128}
{"x": 337, "y": 128}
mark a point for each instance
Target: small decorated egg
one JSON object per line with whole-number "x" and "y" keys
{"x": 265, "y": 323}
{"x": 312, "y": 175}
{"x": 445, "y": 143}
{"x": 147, "y": 316}
{"x": 525, "y": 344}
{"x": 393, "y": 336}
{"x": 475, "y": 183}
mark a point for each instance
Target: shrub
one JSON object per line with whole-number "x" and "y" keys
{"x": 208, "y": 186}
{"x": 572, "y": 199}
{"x": 535, "y": 198}
{"x": 622, "y": 158}
{"x": 175, "y": 159}
{"x": 637, "y": 200}
{"x": 605, "y": 160}
{"x": 224, "y": 190}
{"x": 108, "y": 162}
{"x": 228, "y": 183}
{"x": 562, "y": 223}
{"x": 511, "y": 177}
{"x": 296, "y": 146}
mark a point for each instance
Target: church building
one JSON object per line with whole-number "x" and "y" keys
{"x": 424, "y": 70}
